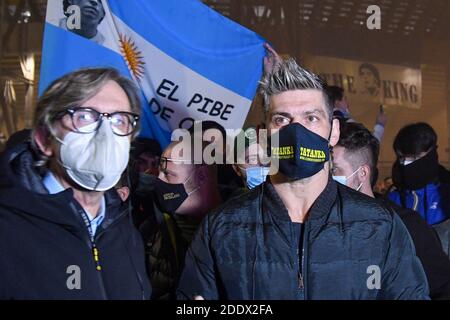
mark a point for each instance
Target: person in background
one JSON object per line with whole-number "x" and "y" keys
{"x": 184, "y": 193}
{"x": 355, "y": 159}
{"x": 341, "y": 104}
{"x": 420, "y": 182}
{"x": 145, "y": 154}
{"x": 382, "y": 187}
{"x": 342, "y": 110}
{"x": 388, "y": 183}
{"x": 253, "y": 167}
{"x": 63, "y": 228}
{"x": 214, "y": 134}
{"x": 144, "y": 160}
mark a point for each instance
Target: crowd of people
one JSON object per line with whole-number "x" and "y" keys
{"x": 89, "y": 210}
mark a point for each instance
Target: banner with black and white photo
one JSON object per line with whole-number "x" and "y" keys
{"x": 371, "y": 83}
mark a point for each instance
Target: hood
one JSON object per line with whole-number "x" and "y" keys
{"x": 17, "y": 169}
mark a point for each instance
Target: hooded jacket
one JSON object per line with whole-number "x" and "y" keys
{"x": 166, "y": 237}
{"x": 443, "y": 231}
{"x": 353, "y": 248}
{"x": 45, "y": 249}
{"x": 432, "y": 201}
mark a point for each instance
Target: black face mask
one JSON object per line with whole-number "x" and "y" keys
{"x": 169, "y": 196}
{"x": 418, "y": 174}
{"x": 301, "y": 153}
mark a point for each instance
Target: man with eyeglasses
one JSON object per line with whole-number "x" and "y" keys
{"x": 184, "y": 193}
{"x": 64, "y": 231}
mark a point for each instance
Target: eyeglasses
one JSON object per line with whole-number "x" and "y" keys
{"x": 84, "y": 119}
{"x": 164, "y": 160}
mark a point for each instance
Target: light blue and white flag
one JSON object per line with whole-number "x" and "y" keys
{"x": 190, "y": 62}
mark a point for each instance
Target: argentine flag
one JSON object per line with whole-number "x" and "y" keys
{"x": 190, "y": 62}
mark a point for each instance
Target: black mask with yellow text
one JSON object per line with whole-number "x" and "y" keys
{"x": 301, "y": 153}
{"x": 169, "y": 196}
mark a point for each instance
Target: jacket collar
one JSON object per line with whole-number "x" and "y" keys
{"x": 320, "y": 209}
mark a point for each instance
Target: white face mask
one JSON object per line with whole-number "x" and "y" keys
{"x": 343, "y": 179}
{"x": 95, "y": 160}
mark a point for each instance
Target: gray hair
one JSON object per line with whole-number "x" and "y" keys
{"x": 73, "y": 89}
{"x": 287, "y": 75}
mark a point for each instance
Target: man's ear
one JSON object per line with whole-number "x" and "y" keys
{"x": 364, "y": 173}
{"x": 43, "y": 140}
{"x": 123, "y": 192}
{"x": 335, "y": 132}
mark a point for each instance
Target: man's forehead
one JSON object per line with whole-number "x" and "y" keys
{"x": 298, "y": 101}
{"x": 344, "y": 157}
{"x": 341, "y": 156}
{"x": 110, "y": 98}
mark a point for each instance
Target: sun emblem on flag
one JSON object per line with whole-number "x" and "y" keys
{"x": 132, "y": 55}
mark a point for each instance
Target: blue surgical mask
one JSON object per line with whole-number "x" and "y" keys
{"x": 256, "y": 176}
{"x": 340, "y": 179}
{"x": 343, "y": 179}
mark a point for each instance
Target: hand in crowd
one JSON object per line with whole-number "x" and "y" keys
{"x": 382, "y": 118}
{"x": 271, "y": 59}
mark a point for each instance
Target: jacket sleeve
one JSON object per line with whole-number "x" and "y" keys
{"x": 429, "y": 250}
{"x": 403, "y": 277}
{"x": 378, "y": 131}
{"x": 198, "y": 277}
{"x": 443, "y": 232}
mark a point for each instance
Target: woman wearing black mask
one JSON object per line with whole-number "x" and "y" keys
{"x": 183, "y": 193}
{"x": 420, "y": 182}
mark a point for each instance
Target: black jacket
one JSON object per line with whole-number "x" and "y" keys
{"x": 429, "y": 250}
{"x": 443, "y": 231}
{"x": 247, "y": 250}
{"x": 167, "y": 238}
{"x": 44, "y": 243}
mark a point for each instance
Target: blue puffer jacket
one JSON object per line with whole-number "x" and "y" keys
{"x": 432, "y": 202}
{"x": 248, "y": 249}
